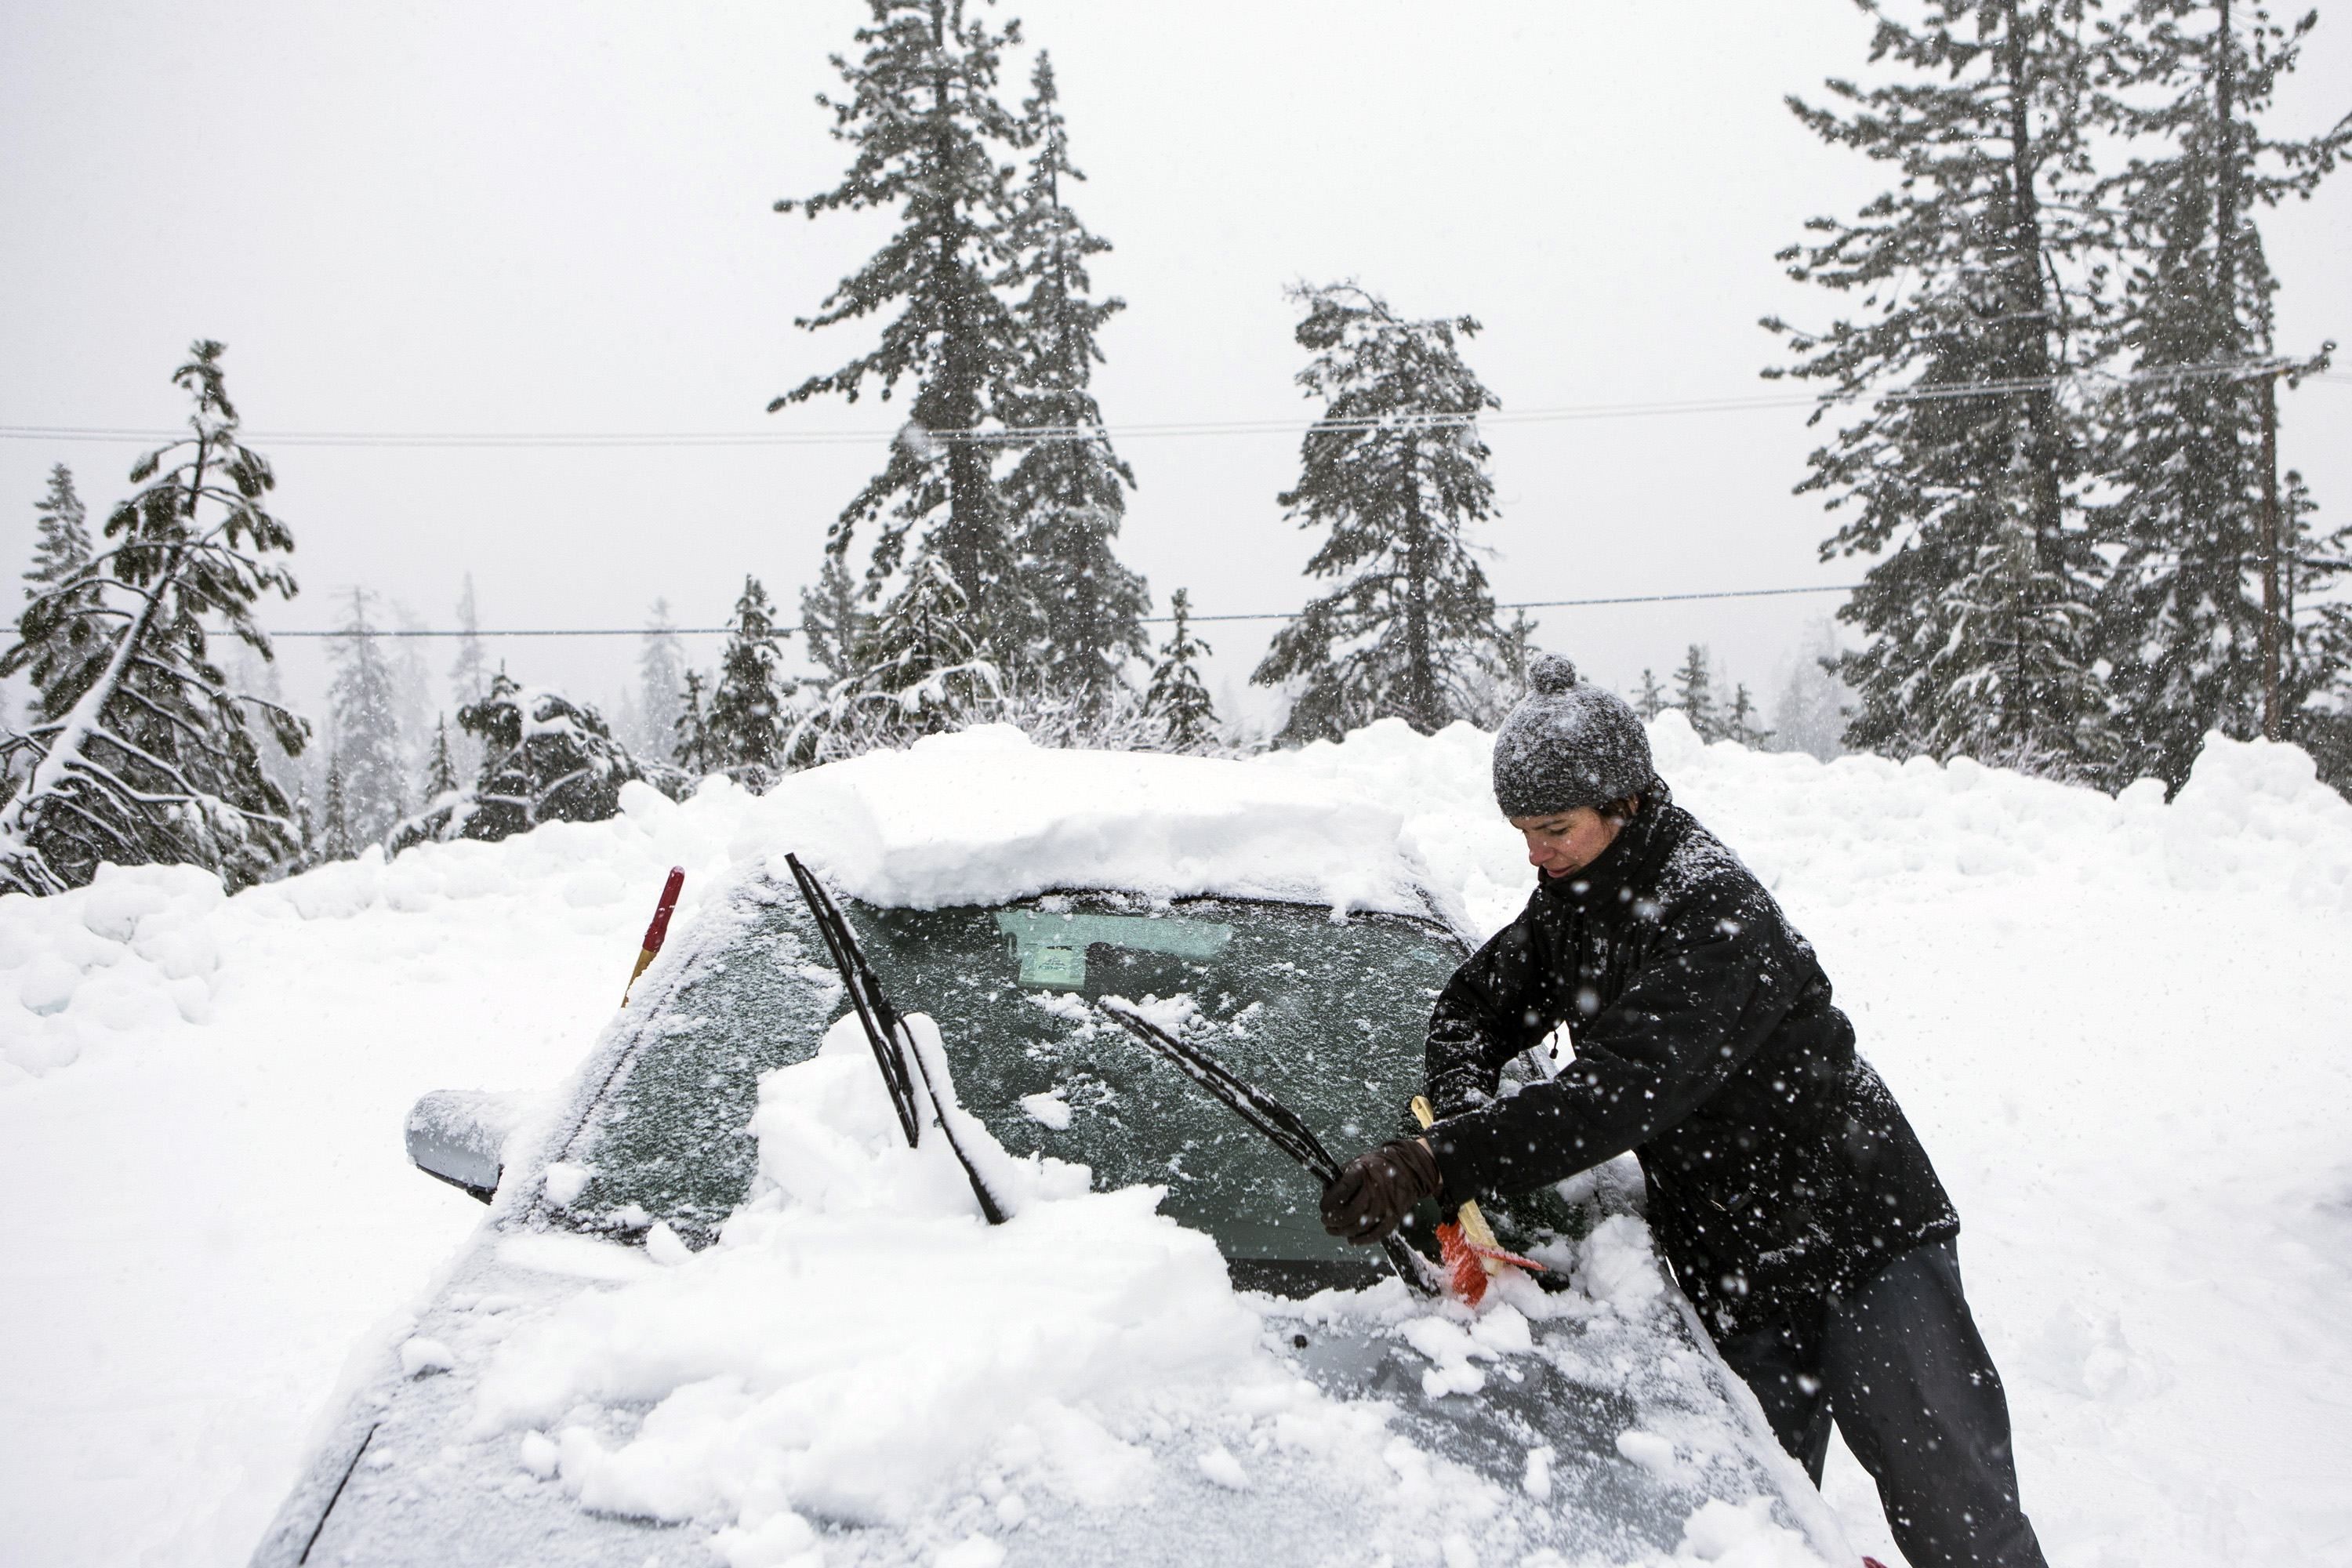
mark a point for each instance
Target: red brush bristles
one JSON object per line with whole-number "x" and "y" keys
{"x": 1464, "y": 1268}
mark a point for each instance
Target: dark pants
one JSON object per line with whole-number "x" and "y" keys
{"x": 1900, "y": 1366}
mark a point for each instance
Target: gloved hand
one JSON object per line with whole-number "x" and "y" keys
{"x": 1374, "y": 1191}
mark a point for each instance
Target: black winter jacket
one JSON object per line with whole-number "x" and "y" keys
{"x": 1779, "y": 1169}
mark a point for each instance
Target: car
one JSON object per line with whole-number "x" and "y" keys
{"x": 1602, "y": 1429}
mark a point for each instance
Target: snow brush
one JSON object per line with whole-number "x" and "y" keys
{"x": 1278, "y": 1123}
{"x": 659, "y": 930}
{"x": 1466, "y": 1244}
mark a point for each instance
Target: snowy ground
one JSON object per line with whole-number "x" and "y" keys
{"x": 2123, "y": 1028}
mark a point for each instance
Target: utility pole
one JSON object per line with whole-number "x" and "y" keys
{"x": 2270, "y": 637}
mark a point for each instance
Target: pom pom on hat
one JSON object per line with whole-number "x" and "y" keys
{"x": 1550, "y": 674}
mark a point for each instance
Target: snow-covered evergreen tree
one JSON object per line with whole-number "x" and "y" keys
{"x": 661, "y": 678}
{"x": 365, "y": 707}
{"x": 441, "y": 767}
{"x": 2182, "y": 618}
{"x": 1695, "y": 694}
{"x": 1974, "y": 275}
{"x": 1740, "y": 721}
{"x": 926, "y": 129}
{"x": 1649, "y": 700}
{"x": 1810, "y": 714}
{"x": 1177, "y": 698}
{"x": 469, "y": 674}
{"x": 693, "y": 748}
{"x": 335, "y": 841}
{"x": 154, "y": 761}
{"x": 1066, "y": 493}
{"x": 834, "y": 623}
{"x": 746, "y": 718}
{"x": 73, "y": 647}
{"x": 920, "y": 672}
{"x": 1397, "y": 471}
{"x": 61, "y": 547}
{"x": 545, "y": 759}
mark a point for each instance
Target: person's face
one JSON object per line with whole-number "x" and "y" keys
{"x": 1561, "y": 842}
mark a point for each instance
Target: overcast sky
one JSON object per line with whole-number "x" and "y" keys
{"x": 539, "y": 217}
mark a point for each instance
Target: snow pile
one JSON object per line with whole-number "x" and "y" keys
{"x": 132, "y": 954}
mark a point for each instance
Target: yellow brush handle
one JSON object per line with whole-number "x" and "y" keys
{"x": 1474, "y": 1223}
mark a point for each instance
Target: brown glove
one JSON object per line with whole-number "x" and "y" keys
{"x": 1374, "y": 1191}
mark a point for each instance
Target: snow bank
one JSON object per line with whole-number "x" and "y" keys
{"x": 2123, "y": 1027}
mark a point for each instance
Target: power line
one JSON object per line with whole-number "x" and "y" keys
{"x": 1250, "y": 615}
{"x": 1027, "y": 434}
{"x": 1233, "y": 615}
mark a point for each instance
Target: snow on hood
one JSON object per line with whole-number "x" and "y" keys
{"x": 857, "y": 1342}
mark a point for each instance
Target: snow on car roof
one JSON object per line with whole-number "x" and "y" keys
{"x": 984, "y": 816}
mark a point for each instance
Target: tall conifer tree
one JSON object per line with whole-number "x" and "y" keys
{"x": 73, "y": 645}
{"x": 1695, "y": 694}
{"x": 746, "y": 716}
{"x": 1178, "y": 696}
{"x": 1397, "y": 471}
{"x": 1973, "y": 275}
{"x": 2182, "y": 621}
{"x": 927, "y": 129}
{"x": 661, "y": 678}
{"x": 366, "y": 716}
{"x": 154, "y": 761}
{"x": 1066, "y": 493}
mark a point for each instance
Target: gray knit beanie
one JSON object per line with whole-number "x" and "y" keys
{"x": 1569, "y": 743}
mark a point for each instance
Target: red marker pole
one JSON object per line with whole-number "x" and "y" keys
{"x": 658, "y": 930}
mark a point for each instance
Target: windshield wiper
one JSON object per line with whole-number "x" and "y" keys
{"x": 1276, "y": 1121}
{"x": 893, "y": 1043}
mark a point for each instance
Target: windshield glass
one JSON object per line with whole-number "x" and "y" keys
{"x": 1326, "y": 1015}
{"x": 670, "y": 1138}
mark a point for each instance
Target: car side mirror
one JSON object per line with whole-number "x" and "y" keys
{"x": 459, "y": 1136}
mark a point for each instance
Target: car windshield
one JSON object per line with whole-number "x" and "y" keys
{"x": 1325, "y": 1014}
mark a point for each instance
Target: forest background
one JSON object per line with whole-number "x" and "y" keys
{"x": 558, "y": 219}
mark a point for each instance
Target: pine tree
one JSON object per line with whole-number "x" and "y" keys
{"x": 1739, "y": 721}
{"x": 1975, "y": 272}
{"x": 834, "y": 625}
{"x": 1178, "y": 696}
{"x": 73, "y": 649}
{"x": 696, "y": 750}
{"x": 661, "y": 675}
{"x": 926, "y": 128}
{"x": 747, "y": 708}
{"x": 919, "y": 672}
{"x": 441, "y": 771}
{"x": 154, "y": 762}
{"x": 1068, "y": 492}
{"x": 1695, "y": 694}
{"x": 1396, "y": 470}
{"x": 1810, "y": 713}
{"x": 1651, "y": 700}
{"x": 367, "y": 719}
{"x": 2182, "y": 618}
{"x": 545, "y": 759}
{"x": 469, "y": 677}
{"x": 335, "y": 832}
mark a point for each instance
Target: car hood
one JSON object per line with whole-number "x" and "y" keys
{"x": 1593, "y": 1424}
